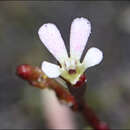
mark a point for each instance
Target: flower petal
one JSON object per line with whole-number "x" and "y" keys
{"x": 52, "y": 39}
{"x": 51, "y": 70}
{"x": 79, "y": 33}
{"x": 93, "y": 57}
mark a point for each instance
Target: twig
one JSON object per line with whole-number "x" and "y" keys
{"x": 74, "y": 97}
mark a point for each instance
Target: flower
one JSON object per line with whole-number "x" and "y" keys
{"x": 70, "y": 68}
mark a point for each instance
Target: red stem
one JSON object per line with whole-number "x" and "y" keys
{"x": 90, "y": 116}
{"x": 38, "y": 79}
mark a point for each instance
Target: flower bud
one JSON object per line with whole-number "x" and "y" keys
{"x": 24, "y": 71}
{"x": 81, "y": 81}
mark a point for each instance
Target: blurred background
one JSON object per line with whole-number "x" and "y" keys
{"x": 108, "y": 91}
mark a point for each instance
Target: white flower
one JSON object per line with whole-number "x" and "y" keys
{"x": 70, "y": 68}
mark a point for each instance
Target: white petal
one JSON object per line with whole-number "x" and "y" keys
{"x": 52, "y": 39}
{"x": 93, "y": 57}
{"x": 79, "y": 33}
{"x": 51, "y": 70}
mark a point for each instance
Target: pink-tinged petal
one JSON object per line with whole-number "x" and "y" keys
{"x": 52, "y": 39}
{"x": 79, "y": 33}
{"x": 51, "y": 70}
{"x": 93, "y": 57}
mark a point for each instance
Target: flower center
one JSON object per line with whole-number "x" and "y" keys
{"x": 70, "y": 66}
{"x": 72, "y": 71}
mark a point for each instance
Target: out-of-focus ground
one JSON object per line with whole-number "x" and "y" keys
{"x": 108, "y": 90}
